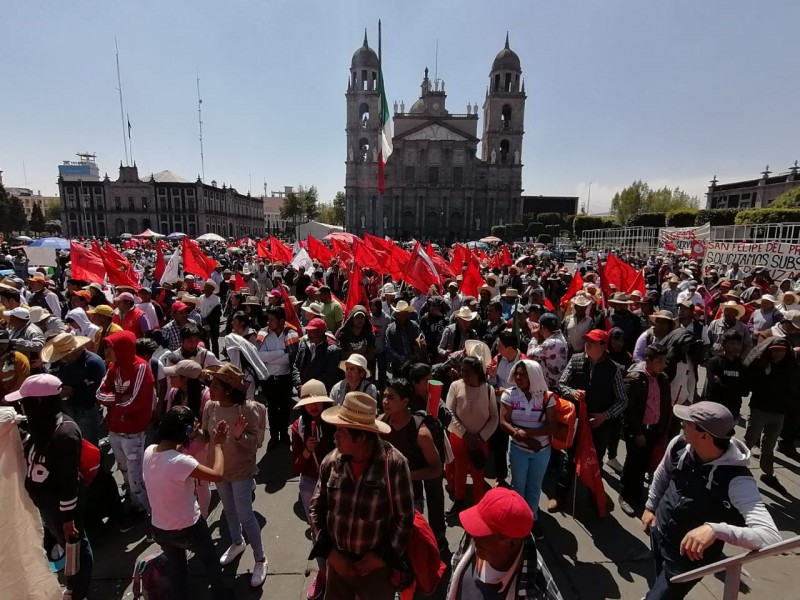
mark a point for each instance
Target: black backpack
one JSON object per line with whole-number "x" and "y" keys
{"x": 436, "y": 428}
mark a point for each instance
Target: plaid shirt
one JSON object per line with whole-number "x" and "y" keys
{"x": 172, "y": 335}
{"x": 578, "y": 376}
{"x": 358, "y": 516}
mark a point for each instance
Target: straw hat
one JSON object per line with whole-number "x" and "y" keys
{"x": 788, "y": 297}
{"x": 731, "y": 294}
{"x": 358, "y": 411}
{"x": 404, "y": 306}
{"x": 313, "y": 392}
{"x": 227, "y": 373}
{"x": 511, "y": 293}
{"x": 581, "y": 301}
{"x": 620, "y": 298}
{"x": 664, "y": 315}
{"x": 479, "y": 350}
{"x": 734, "y": 305}
{"x": 37, "y": 313}
{"x": 185, "y": 368}
{"x": 315, "y": 308}
{"x": 768, "y": 298}
{"x": 464, "y": 313}
{"x": 358, "y": 361}
{"x": 252, "y": 301}
{"x": 63, "y": 345}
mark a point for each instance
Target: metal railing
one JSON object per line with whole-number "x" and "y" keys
{"x": 733, "y": 566}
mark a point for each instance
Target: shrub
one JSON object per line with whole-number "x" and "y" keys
{"x": 716, "y": 216}
{"x": 544, "y": 238}
{"x": 535, "y": 228}
{"x": 681, "y": 218}
{"x": 758, "y": 216}
{"x": 499, "y": 231}
{"x": 514, "y": 231}
{"x": 586, "y": 222}
{"x": 647, "y": 220}
{"x": 549, "y": 218}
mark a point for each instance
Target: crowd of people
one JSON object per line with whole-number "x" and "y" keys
{"x": 393, "y": 406}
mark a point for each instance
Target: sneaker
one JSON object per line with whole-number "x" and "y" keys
{"x": 538, "y": 533}
{"x": 231, "y": 553}
{"x": 773, "y": 482}
{"x": 317, "y": 588}
{"x": 259, "y": 573}
{"x": 626, "y": 507}
{"x": 614, "y": 464}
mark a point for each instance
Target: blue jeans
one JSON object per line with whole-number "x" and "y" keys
{"x": 307, "y": 487}
{"x": 527, "y": 474}
{"x": 669, "y": 564}
{"x": 237, "y": 503}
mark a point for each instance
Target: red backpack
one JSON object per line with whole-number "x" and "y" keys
{"x": 566, "y": 421}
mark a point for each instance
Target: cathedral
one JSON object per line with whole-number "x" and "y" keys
{"x": 436, "y": 186}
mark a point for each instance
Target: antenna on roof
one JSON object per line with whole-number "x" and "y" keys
{"x": 436, "y": 65}
{"x": 121, "y": 105}
{"x": 200, "y": 123}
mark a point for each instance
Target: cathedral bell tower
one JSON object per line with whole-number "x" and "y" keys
{"x": 363, "y": 139}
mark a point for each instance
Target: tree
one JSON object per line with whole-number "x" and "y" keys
{"x": 639, "y": 198}
{"x": 12, "y": 213}
{"x": 53, "y": 210}
{"x": 308, "y": 201}
{"x": 549, "y": 218}
{"x": 37, "y": 222}
{"x": 339, "y": 201}
{"x": 790, "y": 199}
{"x": 291, "y": 208}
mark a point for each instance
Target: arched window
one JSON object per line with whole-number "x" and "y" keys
{"x": 504, "y": 149}
{"x": 363, "y": 115}
{"x": 119, "y": 227}
{"x": 133, "y": 226}
{"x": 505, "y": 116}
{"x": 145, "y": 224}
{"x": 363, "y": 149}
{"x": 408, "y": 220}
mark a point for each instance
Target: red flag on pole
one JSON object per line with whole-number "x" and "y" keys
{"x": 420, "y": 271}
{"x": 616, "y": 272}
{"x": 195, "y": 261}
{"x": 86, "y": 265}
{"x": 262, "y": 251}
{"x": 161, "y": 265}
{"x": 575, "y": 286}
{"x": 367, "y": 257}
{"x": 505, "y": 257}
{"x": 472, "y": 281}
{"x": 319, "y": 251}
{"x": 442, "y": 266}
{"x": 587, "y": 468}
{"x": 239, "y": 282}
{"x": 356, "y": 294}
{"x": 279, "y": 250}
{"x": 638, "y": 283}
{"x": 291, "y": 314}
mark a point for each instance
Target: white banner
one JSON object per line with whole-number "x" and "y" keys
{"x": 41, "y": 257}
{"x": 682, "y": 237}
{"x": 781, "y": 260}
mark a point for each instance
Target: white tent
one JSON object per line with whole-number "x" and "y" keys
{"x": 318, "y": 230}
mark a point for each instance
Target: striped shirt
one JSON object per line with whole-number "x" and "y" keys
{"x": 527, "y": 414}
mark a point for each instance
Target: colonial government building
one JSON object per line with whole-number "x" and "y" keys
{"x": 437, "y": 187}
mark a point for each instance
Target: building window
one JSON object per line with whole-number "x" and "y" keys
{"x": 144, "y": 203}
{"x": 131, "y": 204}
{"x": 733, "y": 201}
{"x": 117, "y": 203}
{"x": 504, "y": 149}
{"x": 409, "y": 174}
{"x": 433, "y": 175}
{"x": 190, "y": 192}
{"x": 458, "y": 176}
{"x": 505, "y": 116}
{"x": 162, "y": 192}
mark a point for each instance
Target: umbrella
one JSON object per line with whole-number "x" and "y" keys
{"x": 148, "y": 233}
{"x": 491, "y": 240}
{"x": 342, "y": 236}
{"x": 210, "y": 237}
{"x": 477, "y": 245}
{"x": 23, "y": 238}
{"x": 176, "y": 235}
{"x": 125, "y": 236}
{"x": 51, "y": 242}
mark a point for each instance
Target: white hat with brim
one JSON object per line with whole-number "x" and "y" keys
{"x": 581, "y": 301}
{"x": 768, "y": 298}
{"x": 465, "y": 313}
{"x": 356, "y": 360}
{"x": 37, "y": 313}
{"x": 314, "y": 400}
{"x": 358, "y": 411}
{"x": 403, "y": 306}
{"x": 735, "y": 306}
{"x": 63, "y": 345}
{"x": 479, "y": 350}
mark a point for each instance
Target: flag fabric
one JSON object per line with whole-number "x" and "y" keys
{"x": 122, "y": 261}
{"x": 291, "y": 314}
{"x": 302, "y": 259}
{"x": 548, "y": 305}
{"x": 575, "y": 286}
{"x": 399, "y": 260}
{"x": 618, "y": 273}
{"x": 505, "y": 256}
{"x": 420, "y": 271}
{"x": 461, "y": 255}
{"x": 319, "y": 251}
{"x": 385, "y": 146}
{"x": 86, "y": 264}
{"x": 356, "y": 294}
{"x": 670, "y": 247}
{"x": 587, "y": 468}
{"x": 239, "y": 282}
{"x": 367, "y": 257}
{"x": 116, "y": 266}
{"x": 161, "y": 265}
{"x": 638, "y": 283}
{"x": 262, "y": 251}
{"x": 442, "y": 266}
{"x": 129, "y": 128}
{"x": 472, "y": 281}
{"x": 173, "y": 268}
{"x": 195, "y": 261}
{"x": 279, "y": 250}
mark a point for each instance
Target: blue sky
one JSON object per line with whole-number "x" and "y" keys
{"x": 669, "y": 92}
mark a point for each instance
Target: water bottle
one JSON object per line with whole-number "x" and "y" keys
{"x": 72, "y": 559}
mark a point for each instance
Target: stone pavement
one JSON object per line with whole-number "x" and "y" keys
{"x": 591, "y": 558}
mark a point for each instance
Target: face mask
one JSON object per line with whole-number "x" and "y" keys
{"x": 42, "y": 414}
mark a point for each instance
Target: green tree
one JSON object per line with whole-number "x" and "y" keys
{"x": 629, "y": 201}
{"x": 12, "y": 213}
{"x": 640, "y": 198}
{"x": 790, "y": 199}
{"x": 53, "y": 210}
{"x": 339, "y": 201}
{"x": 292, "y": 207}
{"x": 37, "y": 222}
{"x": 308, "y": 199}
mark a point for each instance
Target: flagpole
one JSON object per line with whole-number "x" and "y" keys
{"x": 379, "y": 208}
{"x": 130, "y": 139}
{"x": 121, "y": 106}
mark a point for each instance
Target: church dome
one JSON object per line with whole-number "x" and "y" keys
{"x": 418, "y": 107}
{"x": 365, "y": 57}
{"x": 506, "y": 60}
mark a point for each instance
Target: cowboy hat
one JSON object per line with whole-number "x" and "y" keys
{"x": 581, "y": 301}
{"x": 734, "y": 305}
{"x": 312, "y": 392}
{"x": 189, "y": 299}
{"x": 252, "y": 301}
{"x": 465, "y": 313}
{"x": 479, "y": 350}
{"x": 511, "y": 293}
{"x": 767, "y": 297}
{"x": 620, "y": 298}
{"x": 184, "y": 368}
{"x": 789, "y": 293}
{"x": 673, "y": 279}
{"x": 228, "y": 374}
{"x": 403, "y": 306}
{"x": 314, "y": 400}
{"x": 731, "y": 294}
{"x": 389, "y": 288}
{"x": 62, "y": 345}
{"x": 636, "y": 295}
{"x": 357, "y": 360}
{"x": 664, "y": 315}
{"x": 37, "y": 313}
{"x": 315, "y": 308}
{"x": 212, "y": 283}
{"x": 495, "y": 278}
{"x": 358, "y": 411}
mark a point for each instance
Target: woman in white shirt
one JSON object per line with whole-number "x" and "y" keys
{"x": 528, "y": 415}
{"x": 169, "y": 475}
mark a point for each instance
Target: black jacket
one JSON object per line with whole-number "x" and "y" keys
{"x": 322, "y": 365}
{"x": 636, "y": 387}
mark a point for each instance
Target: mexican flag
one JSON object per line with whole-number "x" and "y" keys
{"x": 385, "y": 147}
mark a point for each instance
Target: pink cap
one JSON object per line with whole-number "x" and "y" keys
{"x": 275, "y": 294}
{"x": 36, "y": 386}
{"x": 317, "y": 324}
{"x": 125, "y": 296}
{"x": 500, "y": 511}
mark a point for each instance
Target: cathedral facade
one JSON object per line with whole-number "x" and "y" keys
{"x": 437, "y": 186}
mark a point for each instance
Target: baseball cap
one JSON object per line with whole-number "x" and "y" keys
{"x": 19, "y": 312}
{"x": 104, "y": 310}
{"x": 185, "y": 368}
{"x": 709, "y": 416}
{"x": 616, "y": 333}
{"x": 36, "y": 386}
{"x": 596, "y": 335}
{"x": 310, "y": 290}
{"x": 125, "y": 296}
{"x": 317, "y": 324}
{"x": 500, "y": 511}
{"x": 549, "y": 321}
{"x": 176, "y": 306}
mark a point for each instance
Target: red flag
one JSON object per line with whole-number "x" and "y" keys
{"x": 195, "y": 261}
{"x": 356, "y": 294}
{"x": 367, "y": 257}
{"x": 239, "y": 282}
{"x": 319, "y": 251}
{"x": 160, "y": 265}
{"x": 461, "y": 255}
{"x": 587, "y": 467}
{"x": 548, "y": 305}
{"x": 279, "y": 250}
{"x": 472, "y": 281}
{"x": 505, "y": 257}
{"x": 616, "y": 272}
{"x": 638, "y": 283}
{"x": 420, "y": 271}
{"x": 442, "y": 266}
{"x": 344, "y": 252}
{"x": 399, "y": 260}
{"x": 118, "y": 269}
{"x": 575, "y": 286}
{"x": 262, "y": 251}
{"x": 86, "y": 265}
{"x": 698, "y": 250}
{"x": 291, "y": 314}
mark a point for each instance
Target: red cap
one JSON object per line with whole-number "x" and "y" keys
{"x": 725, "y": 284}
{"x": 317, "y": 324}
{"x": 500, "y": 511}
{"x": 176, "y": 306}
{"x": 597, "y": 335}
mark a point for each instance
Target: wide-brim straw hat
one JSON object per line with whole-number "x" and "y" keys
{"x": 465, "y": 313}
{"x": 479, "y": 350}
{"x": 358, "y": 361}
{"x": 227, "y": 373}
{"x": 581, "y": 301}
{"x": 252, "y": 301}
{"x": 735, "y": 305}
{"x": 620, "y": 298}
{"x": 663, "y": 315}
{"x": 403, "y": 306}
{"x": 62, "y": 345}
{"x": 314, "y": 400}
{"x": 792, "y": 297}
{"x": 358, "y": 411}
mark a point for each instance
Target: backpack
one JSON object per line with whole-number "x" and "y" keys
{"x": 151, "y": 578}
{"x": 436, "y": 428}
{"x": 566, "y": 422}
{"x": 89, "y": 461}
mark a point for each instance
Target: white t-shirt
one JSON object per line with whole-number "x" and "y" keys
{"x": 170, "y": 489}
